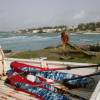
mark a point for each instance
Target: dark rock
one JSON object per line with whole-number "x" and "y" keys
{"x": 7, "y": 51}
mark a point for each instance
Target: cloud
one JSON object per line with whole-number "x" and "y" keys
{"x": 80, "y": 15}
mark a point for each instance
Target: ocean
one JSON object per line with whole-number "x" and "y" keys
{"x": 36, "y": 41}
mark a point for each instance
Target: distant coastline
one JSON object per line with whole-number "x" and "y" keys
{"x": 56, "y": 31}
{"x": 91, "y": 27}
{"x": 91, "y": 33}
{"x": 86, "y": 32}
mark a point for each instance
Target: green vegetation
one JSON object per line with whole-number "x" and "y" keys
{"x": 92, "y": 26}
{"x": 55, "y": 53}
{"x": 86, "y": 27}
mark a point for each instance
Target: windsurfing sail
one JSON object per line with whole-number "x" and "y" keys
{"x": 38, "y": 88}
{"x": 56, "y": 76}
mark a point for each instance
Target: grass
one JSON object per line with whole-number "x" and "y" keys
{"x": 55, "y": 53}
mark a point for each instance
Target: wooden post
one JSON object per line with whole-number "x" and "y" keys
{"x": 2, "y": 62}
{"x": 43, "y": 62}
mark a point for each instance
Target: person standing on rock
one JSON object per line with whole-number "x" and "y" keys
{"x": 65, "y": 41}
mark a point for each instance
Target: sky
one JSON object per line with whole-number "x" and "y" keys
{"x": 19, "y": 14}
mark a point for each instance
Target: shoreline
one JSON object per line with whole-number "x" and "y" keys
{"x": 55, "y": 54}
{"x": 87, "y": 32}
{"x": 90, "y": 33}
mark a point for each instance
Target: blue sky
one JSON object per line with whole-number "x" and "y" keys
{"x": 17, "y": 14}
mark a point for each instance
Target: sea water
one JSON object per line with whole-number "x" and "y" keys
{"x": 31, "y": 41}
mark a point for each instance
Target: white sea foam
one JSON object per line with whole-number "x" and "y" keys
{"x": 14, "y": 38}
{"x": 20, "y": 39}
{"x": 85, "y": 40}
{"x": 90, "y": 33}
{"x": 73, "y": 33}
{"x": 42, "y": 38}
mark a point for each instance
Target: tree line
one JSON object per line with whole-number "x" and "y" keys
{"x": 88, "y": 26}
